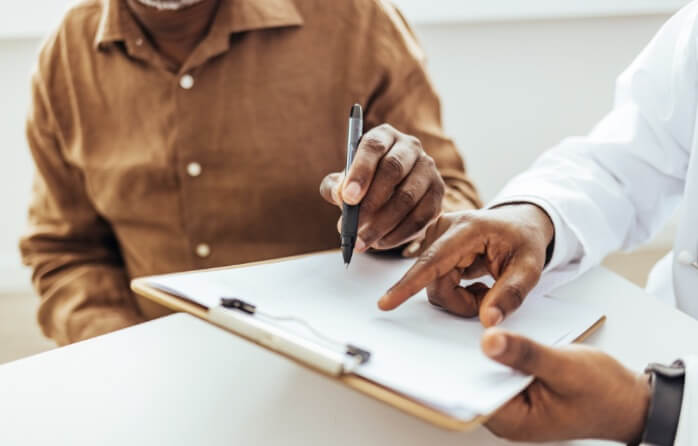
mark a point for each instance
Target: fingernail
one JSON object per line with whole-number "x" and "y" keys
{"x": 413, "y": 248}
{"x": 351, "y": 192}
{"x": 495, "y": 345}
{"x": 494, "y": 316}
{"x": 360, "y": 246}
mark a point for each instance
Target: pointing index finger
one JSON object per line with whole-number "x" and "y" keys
{"x": 443, "y": 256}
{"x": 422, "y": 273}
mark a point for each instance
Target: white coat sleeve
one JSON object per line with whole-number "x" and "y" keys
{"x": 615, "y": 188}
{"x": 687, "y": 434}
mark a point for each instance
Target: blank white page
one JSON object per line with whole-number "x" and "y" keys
{"x": 417, "y": 349}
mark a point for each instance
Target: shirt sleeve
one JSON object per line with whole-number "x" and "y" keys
{"x": 406, "y": 99}
{"x": 77, "y": 268}
{"x": 687, "y": 433}
{"x": 617, "y": 187}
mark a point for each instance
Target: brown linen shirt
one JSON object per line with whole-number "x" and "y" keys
{"x": 144, "y": 170}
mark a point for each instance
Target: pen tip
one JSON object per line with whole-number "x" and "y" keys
{"x": 356, "y": 111}
{"x": 346, "y": 266}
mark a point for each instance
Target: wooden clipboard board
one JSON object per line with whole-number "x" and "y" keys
{"x": 355, "y": 382}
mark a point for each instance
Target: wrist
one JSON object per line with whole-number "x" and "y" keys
{"x": 538, "y": 219}
{"x": 543, "y": 222}
{"x": 666, "y": 385}
{"x": 638, "y": 410}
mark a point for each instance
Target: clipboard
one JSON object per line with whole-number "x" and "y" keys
{"x": 331, "y": 362}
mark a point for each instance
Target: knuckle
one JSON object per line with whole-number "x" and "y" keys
{"x": 413, "y": 140}
{"x": 370, "y": 204}
{"x": 427, "y": 257}
{"x": 427, "y": 260}
{"x": 413, "y": 143}
{"x": 392, "y": 168}
{"x": 387, "y": 128}
{"x": 377, "y": 197}
{"x": 515, "y": 295}
{"x": 369, "y": 236}
{"x": 428, "y": 160}
{"x": 420, "y": 220}
{"x": 373, "y": 144}
{"x": 405, "y": 198}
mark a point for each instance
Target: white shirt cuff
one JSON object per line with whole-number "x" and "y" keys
{"x": 688, "y": 431}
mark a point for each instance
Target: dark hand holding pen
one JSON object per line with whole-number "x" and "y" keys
{"x": 350, "y": 213}
{"x": 396, "y": 185}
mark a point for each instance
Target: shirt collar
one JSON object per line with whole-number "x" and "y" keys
{"x": 111, "y": 23}
{"x": 247, "y": 15}
{"x": 233, "y": 16}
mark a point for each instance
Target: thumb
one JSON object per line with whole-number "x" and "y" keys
{"x": 510, "y": 290}
{"x": 523, "y": 354}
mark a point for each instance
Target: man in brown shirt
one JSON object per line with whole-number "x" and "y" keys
{"x": 172, "y": 135}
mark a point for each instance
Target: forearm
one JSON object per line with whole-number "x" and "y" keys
{"x": 83, "y": 301}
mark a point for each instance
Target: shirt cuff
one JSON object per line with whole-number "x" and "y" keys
{"x": 567, "y": 247}
{"x": 686, "y": 434}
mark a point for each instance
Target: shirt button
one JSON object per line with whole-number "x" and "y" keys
{"x": 687, "y": 259}
{"x": 186, "y": 81}
{"x": 203, "y": 250}
{"x": 194, "y": 169}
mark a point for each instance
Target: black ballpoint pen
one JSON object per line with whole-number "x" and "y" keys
{"x": 350, "y": 214}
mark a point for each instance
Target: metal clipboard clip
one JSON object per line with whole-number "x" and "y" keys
{"x": 324, "y": 354}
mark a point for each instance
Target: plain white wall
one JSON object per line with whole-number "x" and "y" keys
{"x": 510, "y": 90}
{"x": 34, "y": 18}
{"x": 17, "y": 58}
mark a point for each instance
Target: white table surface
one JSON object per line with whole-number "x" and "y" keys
{"x": 179, "y": 381}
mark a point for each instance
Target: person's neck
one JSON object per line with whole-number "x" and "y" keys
{"x": 175, "y": 32}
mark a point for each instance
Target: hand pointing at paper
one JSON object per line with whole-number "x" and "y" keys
{"x": 509, "y": 243}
